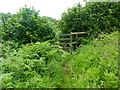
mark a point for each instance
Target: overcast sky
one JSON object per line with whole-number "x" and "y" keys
{"x": 51, "y": 8}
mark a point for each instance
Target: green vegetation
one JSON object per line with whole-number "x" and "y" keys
{"x": 39, "y": 65}
{"x": 94, "y": 18}
{"x": 29, "y": 58}
{"x": 97, "y": 63}
{"x": 26, "y": 26}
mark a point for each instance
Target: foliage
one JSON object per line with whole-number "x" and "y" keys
{"x": 96, "y": 65}
{"x": 34, "y": 65}
{"x": 54, "y": 24}
{"x": 26, "y": 26}
{"x": 30, "y": 60}
{"x": 7, "y": 47}
{"x": 94, "y": 18}
{"x": 40, "y": 65}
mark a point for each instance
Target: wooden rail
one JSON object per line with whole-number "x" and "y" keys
{"x": 76, "y": 33}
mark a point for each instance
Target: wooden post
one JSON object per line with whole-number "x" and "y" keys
{"x": 71, "y": 40}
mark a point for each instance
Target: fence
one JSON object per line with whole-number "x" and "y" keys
{"x": 69, "y": 40}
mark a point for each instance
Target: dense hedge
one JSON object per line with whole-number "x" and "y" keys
{"x": 94, "y": 17}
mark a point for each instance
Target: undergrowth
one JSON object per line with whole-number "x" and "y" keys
{"x": 40, "y": 65}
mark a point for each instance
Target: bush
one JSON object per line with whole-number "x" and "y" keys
{"x": 94, "y": 18}
{"x": 26, "y": 26}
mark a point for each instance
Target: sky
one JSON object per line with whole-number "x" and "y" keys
{"x": 50, "y": 8}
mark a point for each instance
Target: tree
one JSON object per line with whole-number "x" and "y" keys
{"x": 26, "y": 26}
{"x": 95, "y": 17}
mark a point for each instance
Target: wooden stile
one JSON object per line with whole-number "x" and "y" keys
{"x": 70, "y": 39}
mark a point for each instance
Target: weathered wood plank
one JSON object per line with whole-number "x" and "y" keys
{"x": 75, "y": 33}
